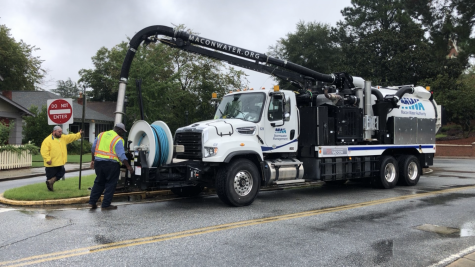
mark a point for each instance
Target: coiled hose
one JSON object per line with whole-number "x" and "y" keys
{"x": 161, "y": 143}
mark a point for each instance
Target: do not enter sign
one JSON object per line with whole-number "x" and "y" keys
{"x": 60, "y": 111}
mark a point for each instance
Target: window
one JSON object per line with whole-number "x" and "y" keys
{"x": 275, "y": 109}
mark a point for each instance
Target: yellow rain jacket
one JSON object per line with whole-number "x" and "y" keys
{"x": 54, "y": 149}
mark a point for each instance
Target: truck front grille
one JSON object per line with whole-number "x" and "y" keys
{"x": 192, "y": 143}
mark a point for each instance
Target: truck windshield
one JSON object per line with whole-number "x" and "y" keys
{"x": 246, "y": 107}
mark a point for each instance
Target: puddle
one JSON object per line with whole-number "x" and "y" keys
{"x": 443, "y": 199}
{"x": 384, "y": 250}
{"x": 45, "y": 216}
{"x": 467, "y": 229}
{"x": 100, "y": 239}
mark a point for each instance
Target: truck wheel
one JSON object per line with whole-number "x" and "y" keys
{"x": 409, "y": 170}
{"x": 388, "y": 173}
{"x": 188, "y": 191}
{"x": 237, "y": 183}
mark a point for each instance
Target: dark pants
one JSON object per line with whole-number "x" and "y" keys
{"x": 107, "y": 175}
{"x": 57, "y": 172}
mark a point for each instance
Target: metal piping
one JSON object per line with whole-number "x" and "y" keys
{"x": 368, "y": 110}
{"x": 120, "y": 102}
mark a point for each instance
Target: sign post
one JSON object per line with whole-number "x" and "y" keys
{"x": 60, "y": 111}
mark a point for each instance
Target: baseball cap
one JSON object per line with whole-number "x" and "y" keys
{"x": 121, "y": 126}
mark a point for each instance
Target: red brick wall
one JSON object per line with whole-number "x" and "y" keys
{"x": 455, "y": 150}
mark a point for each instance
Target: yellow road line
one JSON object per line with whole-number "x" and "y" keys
{"x": 211, "y": 229}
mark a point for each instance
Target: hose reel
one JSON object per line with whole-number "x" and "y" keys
{"x": 155, "y": 139}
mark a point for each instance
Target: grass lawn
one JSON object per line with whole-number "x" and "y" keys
{"x": 38, "y": 159}
{"x": 62, "y": 189}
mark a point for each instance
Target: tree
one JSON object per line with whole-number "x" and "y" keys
{"x": 312, "y": 45}
{"x": 67, "y": 89}
{"x": 19, "y": 69}
{"x": 382, "y": 43}
{"x": 36, "y": 127}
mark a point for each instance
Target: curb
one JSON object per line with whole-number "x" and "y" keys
{"x": 77, "y": 200}
{"x": 35, "y": 175}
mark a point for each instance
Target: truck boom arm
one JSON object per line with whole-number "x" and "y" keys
{"x": 183, "y": 40}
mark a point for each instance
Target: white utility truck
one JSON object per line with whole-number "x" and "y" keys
{"x": 335, "y": 128}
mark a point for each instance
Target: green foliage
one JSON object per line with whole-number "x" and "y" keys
{"x": 36, "y": 128}
{"x": 5, "y": 131}
{"x": 383, "y": 44}
{"x": 74, "y": 148}
{"x": 456, "y": 95}
{"x": 19, "y": 68}
{"x": 67, "y": 89}
{"x": 312, "y": 45}
{"x": 34, "y": 150}
{"x": 62, "y": 189}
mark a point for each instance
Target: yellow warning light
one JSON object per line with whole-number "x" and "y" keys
{"x": 251, "y": 89}
{"x": 238, "y": 90}
{"x": 276, "y": 88}
{"x": 320, "y": 151}
{"x": 245, "y": 89}
{"x": 214, "y": 95}
{"x": 230, "y": 92}
{"x": 350, "y": 158}
{"x": 242, "y": 144}
{"x": 263, "y": 88}
{"x": 378, "y": 87}
{"x": 428, "y": 88}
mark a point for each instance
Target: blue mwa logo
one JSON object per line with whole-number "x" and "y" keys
{"x": 411, "y": 103}
{"x": 280, "y": 130}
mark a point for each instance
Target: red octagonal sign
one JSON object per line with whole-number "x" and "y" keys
{"x": 60, "y": 111}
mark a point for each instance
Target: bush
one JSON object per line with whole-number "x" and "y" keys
{"x": 5, "y": 132}
{"x": 74, "y": 148}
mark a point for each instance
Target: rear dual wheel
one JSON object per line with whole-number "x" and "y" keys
{"x": 409, "y": 170}
{"x": 388, "y": 173}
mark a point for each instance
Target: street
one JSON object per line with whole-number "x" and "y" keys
{"x": 349, "y": 225}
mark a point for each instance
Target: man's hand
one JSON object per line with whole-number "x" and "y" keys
{"x": 81, "y": 131}
{"x": 131, "y": 170}
{"x": 48, "y": 162}
{"x": 92, "y": 165}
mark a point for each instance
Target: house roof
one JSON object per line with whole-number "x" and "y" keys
{"x": 107, "y": 108}
{"x": 39, "y": 98}
{"x": 18, "y": 106}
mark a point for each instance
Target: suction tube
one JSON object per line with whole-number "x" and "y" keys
{"x": 145, "y": 33}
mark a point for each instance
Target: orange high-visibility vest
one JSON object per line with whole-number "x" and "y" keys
{"x": 105, "y": 146}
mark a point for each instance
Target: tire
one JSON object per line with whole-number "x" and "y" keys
{"x": 188, "y": 191}
{"x": 409, "y": 170}
{"x": 336, "y": 183}
{"x": 388, "y": 173}
{"x": 238, "y": 182}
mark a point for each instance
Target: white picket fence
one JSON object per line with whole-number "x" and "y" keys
{"x": 11, "y": 160}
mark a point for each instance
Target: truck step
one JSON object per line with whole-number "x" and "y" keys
{"x": 287, "y": 163}
{"x": 290, "y": 181}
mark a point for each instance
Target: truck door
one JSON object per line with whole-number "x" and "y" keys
{"x": 280, "y": 125}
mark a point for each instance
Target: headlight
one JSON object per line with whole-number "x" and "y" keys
{"x": 246, "y": 130}
{"x": 210, "y": 151}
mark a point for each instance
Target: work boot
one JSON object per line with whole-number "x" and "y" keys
{"x": 50, "y": 182}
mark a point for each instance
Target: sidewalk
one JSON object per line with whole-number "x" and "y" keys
{"x": 7, "y": 175}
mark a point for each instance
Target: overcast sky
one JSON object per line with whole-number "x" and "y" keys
{"x": 70, "y": 32}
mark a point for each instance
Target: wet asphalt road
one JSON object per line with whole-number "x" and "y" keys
{"x": 316, "y": 226}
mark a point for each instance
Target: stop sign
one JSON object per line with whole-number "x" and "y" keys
{"x": 60, "y": 111}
